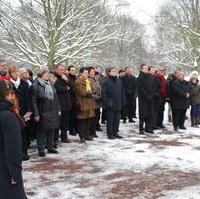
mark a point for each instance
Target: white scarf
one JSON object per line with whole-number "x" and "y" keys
{"x": 16, "y": 82}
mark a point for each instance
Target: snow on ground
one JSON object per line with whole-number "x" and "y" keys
{"x": 165, "y": 165}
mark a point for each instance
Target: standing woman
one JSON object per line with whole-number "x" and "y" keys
{"x": 11, "y": 182}
{"x": 195, "y": 100}
{"x": 85, "y": 109}
{"x": 46, "y": 110}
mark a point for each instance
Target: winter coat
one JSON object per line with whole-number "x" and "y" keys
{"x": 113, "y": 95}
{"x": 178, "y": 92}
{"x": 195, "y": 94}
{"x": 84, "y": 100}
{"x": 72, "y": 79}
{"x": 10, "y": 154}
{"x": 97, "y": 92}
{"x": 63, "y": 91}
{"x": 146, "y": 93}
{"x": 45, "y": 108}
{"x": 130, "y": 85}
{"x": 23, "y": 95}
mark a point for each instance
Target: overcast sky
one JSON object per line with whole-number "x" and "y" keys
{"x": 143, "y": 10}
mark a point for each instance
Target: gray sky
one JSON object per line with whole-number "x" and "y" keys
{"x": 143, "y": 10}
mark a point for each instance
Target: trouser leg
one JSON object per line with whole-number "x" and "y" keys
{"x": 41, "y": 139}
{"x": 116, "y": 120}
{"x": 64, "y": 124}
{"x": 49, "y": 139}
{"x": 182, "y": 117}
{"x": 109, "y": 118}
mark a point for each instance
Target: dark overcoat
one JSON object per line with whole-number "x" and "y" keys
{"x": 10, "y": 154}
{"x": 113, "y": 95}
{"x": 46, "y": 109}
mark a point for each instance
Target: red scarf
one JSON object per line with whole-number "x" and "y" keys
{"x": 163, "y": 84}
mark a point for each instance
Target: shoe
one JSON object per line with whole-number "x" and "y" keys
{"x": 161, "y": 126}
{"x": 25, "y": 157}
{"x": 124, "y": 121}
{"x": 55, "y": 146}
{"x": 95, "y": 135}
{"x": 111, "y": 137}
{"x": 98, "y": 129}
{"x": 66, "y": 140}
{"x": 82, "y": 140}
{"x": 149, "y": 131}
{"x": 118, "y": 136}
{"x": 131, "y": 121}
{"x": 135, "y": 116}
{"x": 155, "y": 128}
{"x": 183, "y": 128}
{"x": 53, "y": 151}
{"x": 42, "y": 154}
{"x": 176, "y": 129}
{"x": 89, "y": 138}
{"x": 141, "y": 132}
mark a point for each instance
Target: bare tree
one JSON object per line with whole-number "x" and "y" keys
{"x": 40, "y": 32}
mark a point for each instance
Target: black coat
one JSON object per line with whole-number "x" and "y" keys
{"x": 45, "y": 108}
{"x": 23, "y": 95}
{"x": 146, "y": 93}
{"x": 130, "y": 85}
{"x": 10, "y": 154}
{"x": 113, "y": 96}
{"x": 63, "y": 91}
{"x": 178, "y": 91}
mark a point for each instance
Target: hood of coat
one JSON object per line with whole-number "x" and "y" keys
{"x": 5, "y": 104}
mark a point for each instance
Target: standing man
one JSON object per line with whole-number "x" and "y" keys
{"x": 113, "y": 99}
{"x": 72, "y": 121}
{"x": 156, "y": 87}
{"x": 62, "y": 86}
{"x": 145, "y": 93}
{"x": 129, "y": 82}
{"x": 179, "y": 95}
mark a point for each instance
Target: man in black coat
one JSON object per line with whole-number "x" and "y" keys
{"x": 156, "y": 87}
{"x": 63, "y": 86}
{"x": 146, "y": 95}
{"x": 179, "y": 99}
{"x": 113, "y": 99}
{"x": 11, "y": 182}
{"x": 129, "y": 82}
{"x": 72, "y": 121}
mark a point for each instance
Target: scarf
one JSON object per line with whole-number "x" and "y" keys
{"x": 88, "y": 86}
{"x": 163, "y": 84}
{"x": 48, "y": 90}
{"x": 16, "y": 82}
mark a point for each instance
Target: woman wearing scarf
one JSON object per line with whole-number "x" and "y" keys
{"x": 85, "y": 109}
{"x": 46, "y": 110}
{"x": 11, "y": 181}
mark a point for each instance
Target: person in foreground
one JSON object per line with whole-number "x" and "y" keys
{"x": 11, "y": 182}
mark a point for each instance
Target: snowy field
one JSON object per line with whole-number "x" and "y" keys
{"x": 165, "y": 165}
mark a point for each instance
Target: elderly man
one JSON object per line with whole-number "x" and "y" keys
{"x": 179, "y": 98}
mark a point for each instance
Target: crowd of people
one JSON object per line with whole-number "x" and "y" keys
{"x": 52, "y": 105}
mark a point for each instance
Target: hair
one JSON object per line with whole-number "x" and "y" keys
{"x": 57, "y": 65}
{"x": 109, "y": 69}
{"x": 71, "y": 66}
{"x": 142, "y": 65}
{"x": 11, "y": 69}
{"x": 3, "y": 89}
{"x": 90, "y": 68}
{"x": 150, "y": 67}
{"x": 120, "y": 71}
{"x": 42, "y": 72}
{"x": 30, "y": 73}
{"x": 82, "y": 69}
